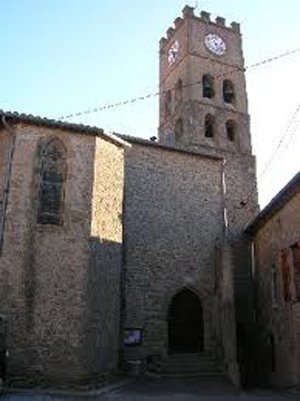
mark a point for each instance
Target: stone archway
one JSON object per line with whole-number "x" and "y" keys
{"x": 185, "y": 323}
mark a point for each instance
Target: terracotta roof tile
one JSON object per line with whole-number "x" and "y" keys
{"x": 56, "y": 124}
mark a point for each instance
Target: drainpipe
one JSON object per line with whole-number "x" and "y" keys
{"x": 224, "y": 201}
{"x": 7, "y": 178}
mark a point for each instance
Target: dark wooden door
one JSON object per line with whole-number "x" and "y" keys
{"x": 186, "y": 329}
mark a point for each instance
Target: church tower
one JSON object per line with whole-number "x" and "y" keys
{"x": 203, "y": 98}
{"x": 203, "y": 110}
{"x": 203, "y": 104}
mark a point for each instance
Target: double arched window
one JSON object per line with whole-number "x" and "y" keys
{"x": 208, "y": 89}
{"x": 53, "y": 168}
{"x": 208, "y": 86}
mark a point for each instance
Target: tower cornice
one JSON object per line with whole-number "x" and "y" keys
{"x": 188, "y": 13}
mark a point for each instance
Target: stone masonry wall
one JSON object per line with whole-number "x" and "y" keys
{"x": 173, "y": 221}
{"x": 45, "y": 270}
{"x": 227, "y": 313}
{"x": 240, "y": 185}
{"x": 275, "y": 315}
{"x": 192, "y": 62}
{"x": 104, "y": 273}
{"x": 4, "y": 145}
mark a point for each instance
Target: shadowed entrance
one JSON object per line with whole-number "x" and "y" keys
{"x": 186, "y": 329}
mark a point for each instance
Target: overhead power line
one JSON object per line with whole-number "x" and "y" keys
{"x": 288, "y": 133}
{"x": 154, "y": 94}
{"x": 243, "y": 202}
{"x": 274, "y": 58}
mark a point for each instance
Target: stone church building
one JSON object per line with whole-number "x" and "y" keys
{"x": 119, "y": 252}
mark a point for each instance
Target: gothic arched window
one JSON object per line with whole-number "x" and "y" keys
{"x": 231, "y": 130}
{"x": 53, "y": 169}
{"x": 179, "y": 128}
{"x": 178, "y": 92}
{"x": 168, "y": 103}
{"x": 208, "y": 86}
{"x": 228, "y": 91}
{"x": 209, "y": 126}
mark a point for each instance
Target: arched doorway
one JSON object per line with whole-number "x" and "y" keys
{"x": 185, "y": 323}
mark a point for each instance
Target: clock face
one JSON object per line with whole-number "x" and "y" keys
{"x": 215, "y": 44}
{"x": 173, "y": 52}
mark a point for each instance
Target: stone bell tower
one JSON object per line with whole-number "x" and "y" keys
{"x": 203, "y": 110}
{"x": 203, "y": 98}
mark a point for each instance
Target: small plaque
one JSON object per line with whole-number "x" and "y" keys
{"x": 133, "y": 337}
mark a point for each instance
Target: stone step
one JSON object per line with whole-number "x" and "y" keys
{"x": 190, "y": 359}
{"x": 208, "y": 375}
{"x": 191, "y": 362}
{"x": 190, "y": 365}
{"x": 210, "y": 369}
{"x": 191, "y": 356}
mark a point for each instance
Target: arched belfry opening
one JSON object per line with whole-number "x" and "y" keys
{"x": 228, "y": 91}
{"x": 185, "y": 323}
{"x": 208, "y": 86}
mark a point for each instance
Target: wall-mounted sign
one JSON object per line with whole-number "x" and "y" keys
{"x": 133, "y": 337}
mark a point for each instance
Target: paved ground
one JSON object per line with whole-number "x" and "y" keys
{"x": 166, "y": 390}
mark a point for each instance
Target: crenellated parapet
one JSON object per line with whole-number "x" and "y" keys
{"x": 221, "y": 21}
{"x": 178, "y": 22}
{"x": 205, "y": 16}
{"x": 170, "y": 33}
{"x": 188, "y": 12}
{"x": 235, "y": 26}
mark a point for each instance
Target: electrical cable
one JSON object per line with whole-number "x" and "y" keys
{"x": 281, "y": 141}
{"x": 155, "y": 94}
{"x": 268, "y": 60}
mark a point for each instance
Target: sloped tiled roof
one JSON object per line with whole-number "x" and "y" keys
{"x": 278, "y": 202}
{"x": 171, "y": 148}
{"x": 55, "y": 124}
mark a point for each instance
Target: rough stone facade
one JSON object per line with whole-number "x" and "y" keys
{"x": 174, "y": 220}
{"x": 138, "y": 225}
{"x": 276, "y": 238}
{"x": 176, "y": 237}
{"x": 184, "y": 100}
{"x": 51, "y": 275}
{"x": 193, "y": 61}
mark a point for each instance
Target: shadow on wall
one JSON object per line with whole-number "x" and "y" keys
{"x": 244, "y": 309}
{"x": 62, "y": 302}
{"x": 102, "y": 324}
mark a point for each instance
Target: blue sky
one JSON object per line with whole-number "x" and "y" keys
{"x": 63, "y": 56}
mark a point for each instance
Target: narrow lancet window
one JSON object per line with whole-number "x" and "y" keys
{"x": 228, "y": 91}
{"x": 168, "y": 103}
{"x": 231, "y": 130}
{"x": 208, "y": 86}
{"x": 209, "y": 126}
{"x": 52, "y": 179}
{"x": 178, "y": 128}
{"x": 178, "y": 92}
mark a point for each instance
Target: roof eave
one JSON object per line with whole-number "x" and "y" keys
{"x": 56, "y": 124}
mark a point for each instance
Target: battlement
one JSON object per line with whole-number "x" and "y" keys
{"x": 188, "y": 12}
